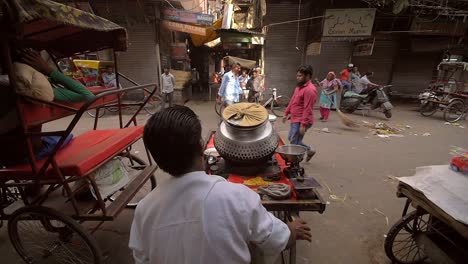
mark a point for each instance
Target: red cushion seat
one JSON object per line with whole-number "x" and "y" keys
{"x": 36, "y": 114}
{"x": 83, "y": 153}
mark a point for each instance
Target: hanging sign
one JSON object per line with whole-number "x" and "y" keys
{"x": 313, "y": 49}
{"x": 364, "y": 48}
{"x": 348, "y": 22}
{"x": 184, "y": 28}
{"x": 179, "y": 15}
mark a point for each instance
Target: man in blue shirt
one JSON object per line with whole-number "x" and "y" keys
{"x": 230, "y": 89}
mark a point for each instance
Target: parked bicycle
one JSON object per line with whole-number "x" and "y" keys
{"x": 154, "y": 104}
{"x": 276, "y": 103}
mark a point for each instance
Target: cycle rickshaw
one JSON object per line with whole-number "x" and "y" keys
{"x": 449, "y": 92}
{"x": 46, "y": 226}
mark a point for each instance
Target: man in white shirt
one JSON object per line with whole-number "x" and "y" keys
{"x": 230, "y": 89}
{"x": 168, "y": 84}
{"x": 195, "y": 218}
{"x": 364, "y": 83}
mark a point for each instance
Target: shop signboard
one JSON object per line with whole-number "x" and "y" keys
{"x": 364, "y": 47}
{"x": 174, "y": 26}
{"x": 348, "y": 22}
{"x": 313, "y": 49}
{"x": 179, "y": 15}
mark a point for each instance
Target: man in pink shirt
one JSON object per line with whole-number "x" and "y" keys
{"x": 300, "y": 108}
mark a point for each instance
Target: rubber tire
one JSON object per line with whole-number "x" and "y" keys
{"x": 388, "y": 114}
{"x": 454, "y": 168}
{"x": 432, "y": 111}
{"x": 455, "y": 104}
{"x": 393, "y": 232}
{"x": 92, "y": 112}
{"x": 13, "y": 230}
{"x": 347, "y": 110}
{"x": 152, "y": 180}
{"x": 277, "y": 107}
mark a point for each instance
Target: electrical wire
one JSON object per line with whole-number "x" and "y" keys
{"x": 298, "y": 23}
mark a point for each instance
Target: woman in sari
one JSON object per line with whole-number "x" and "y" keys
{"x": 330, "y": 86}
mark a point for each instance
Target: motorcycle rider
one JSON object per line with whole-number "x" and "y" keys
{"x": 364, "y": 84}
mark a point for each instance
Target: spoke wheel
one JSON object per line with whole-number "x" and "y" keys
{"x": 92, "y": 112}
{"x": 135, "y": 165}
{"x": 154, "y": 104}
{"x": 454, "y": 111}
{"x": 43, "y": 235}
{"x": 400, "y": 244}
{"x": 428, "y": 108}
{"x": 277, "y": 107}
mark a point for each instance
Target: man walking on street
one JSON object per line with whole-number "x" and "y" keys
{"x": 230, "y": 89}
{"x": 168, "y": 84}
{"x": 300, "y": 108}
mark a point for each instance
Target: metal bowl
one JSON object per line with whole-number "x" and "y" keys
{"x": 292, "y": 153}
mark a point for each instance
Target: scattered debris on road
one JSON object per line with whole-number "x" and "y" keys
{"x": 426, "y": 134}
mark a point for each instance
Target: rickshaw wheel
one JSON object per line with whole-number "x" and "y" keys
{"x": 154, "y": 104}
{"x": 454, "y": 111}
{"x": 400, "y": 245}
{"x": 428, "y": 108}
{"x": 137, "y": 164}
{"x": 92, "y": 112}
{"x": 43, "y": 235}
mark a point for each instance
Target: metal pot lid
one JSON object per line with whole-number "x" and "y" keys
{"x": 245, "y": 114}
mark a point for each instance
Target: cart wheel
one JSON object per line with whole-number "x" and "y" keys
{"x": 400, "y": 244}
{"x": 43, "y": 235}
{"x": 278, "y": 106}
{"x": 154, "y": 104}
{"x": 454, "y": 111}
{"x": 219, "y": 108}
{"x": 428, "y": 108}
{"x": 136, "y": 164}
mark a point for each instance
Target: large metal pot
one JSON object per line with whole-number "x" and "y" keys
{"x": 246, "y": 145}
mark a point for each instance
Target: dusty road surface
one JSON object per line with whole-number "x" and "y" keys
{"x": 356, "y": 169}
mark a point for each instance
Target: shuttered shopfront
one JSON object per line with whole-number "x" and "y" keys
{"x": 281, "y": 56}
{"x": 413, "y": 72}
{"x": 380, "y": 62}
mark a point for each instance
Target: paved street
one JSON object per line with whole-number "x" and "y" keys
{"x": 356, "y": 169}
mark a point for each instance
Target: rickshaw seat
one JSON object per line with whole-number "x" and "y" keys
{"x": 84, "y": 153}
{"x": 36, "y": 113}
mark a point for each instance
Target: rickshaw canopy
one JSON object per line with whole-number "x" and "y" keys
{"x": 62, "y": 30}
{"x": 457, "y": 65}
{"x": 249, "y": 64}
{"x": 92, "y": 64}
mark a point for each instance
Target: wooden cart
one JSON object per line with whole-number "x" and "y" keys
{"x": 425, "y": 233}
{"x": 283, "y": 209}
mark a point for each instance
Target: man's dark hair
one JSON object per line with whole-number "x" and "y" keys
{"x": 306, "y": 70}
{"x": 369, "y": 73}
{"x": 173, "y": 137}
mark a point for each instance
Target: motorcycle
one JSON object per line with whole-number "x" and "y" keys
{"x": 376, "y": 98}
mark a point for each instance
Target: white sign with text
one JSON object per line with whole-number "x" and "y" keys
{"x": 348, "y": 22}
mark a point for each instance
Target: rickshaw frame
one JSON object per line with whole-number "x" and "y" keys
{"x": 51, "y": 172}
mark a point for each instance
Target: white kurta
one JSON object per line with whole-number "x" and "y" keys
{"x": 202, "y": 219}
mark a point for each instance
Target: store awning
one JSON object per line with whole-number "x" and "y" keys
{"x": 249, "y": 64}
{"x": 211, "y": 34}
{"x": 61, "y": 29}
